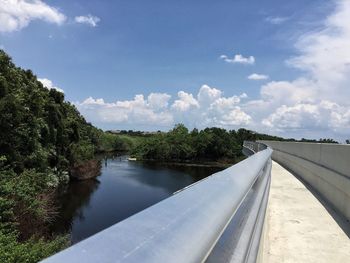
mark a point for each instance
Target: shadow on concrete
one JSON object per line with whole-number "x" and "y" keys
{"x": 341, "y": 220}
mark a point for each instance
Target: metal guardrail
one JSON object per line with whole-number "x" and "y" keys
{"x": 219, "y": 219}
{"x": 253, "y": 147}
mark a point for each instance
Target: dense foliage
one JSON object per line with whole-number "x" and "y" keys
{"x": 260, "y": 136}
{"x": 38, "y": 128}
{"x": 210, "y": 144}
{"x": 25, "y": 209}
{"x": 109, "y": 142}
{"x": 41, "y": 137}
{"x": 180, "y": 144}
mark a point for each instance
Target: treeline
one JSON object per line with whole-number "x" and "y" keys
{"x": 180, "y": 144}
{"x": 41, "y": 137}
{"x": 210, "y": 144}
{"x": 322, "y": 140}
{"x": 132, "y": 132}
{"x": 261, "y": 136}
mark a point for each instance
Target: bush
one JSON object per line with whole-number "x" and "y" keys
{"x": 30, "y": 251}
{"x": 25, "y": 208}
{"x": 82, "y": 151}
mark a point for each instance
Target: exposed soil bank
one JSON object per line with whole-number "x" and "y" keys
{"x": 86, "y": 170}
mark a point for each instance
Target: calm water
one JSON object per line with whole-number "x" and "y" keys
{"x": 123, "y": 189}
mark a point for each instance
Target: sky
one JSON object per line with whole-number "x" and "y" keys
{"x": 278, "y": 67}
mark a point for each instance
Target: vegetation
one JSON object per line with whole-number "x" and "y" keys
{"x": 180, "y": 145}
{"x": 25, "y": 209}
{"x": 41, "y": 138}
{"x": 210, "y": 144}
{"x": 109, "y": 142}
{"x": 39, "y": 130}
{"x": 259, "y": 136}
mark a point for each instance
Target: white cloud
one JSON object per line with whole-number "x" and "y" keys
{"x": 288, "y": 92}
{"x": 208, "y": 95}
{"x": 49, "y": 85}
{"x": 325, "y": 55}
{"x": 276, "y": 20}
{"x": 243, "y": 95}
{"x": 17, "y": 14}
{"x": 236, "y": 117}
{"x": 88, "y": 20}
{"x": 239, "y": 59}
{"x": 185, "y": 102}
{"x": 225, "y": 112}
{"x": 137, "y": 111}
{"x": 307, "y": 116}
{"x": 256, "y": 76}
{"x": 319, "y": 99}
{"x": 207, "y": 108}
{"x": 158, "y": 101}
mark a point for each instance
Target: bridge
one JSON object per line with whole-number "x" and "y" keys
{"x": 286, "y": 202}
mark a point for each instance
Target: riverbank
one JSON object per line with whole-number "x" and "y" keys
{"x": 123, "y": 189}
{"x": 225, "y": 163}
{"x": 191, "y": 163}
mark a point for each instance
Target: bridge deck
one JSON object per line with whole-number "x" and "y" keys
{"x": 298, "y": 227}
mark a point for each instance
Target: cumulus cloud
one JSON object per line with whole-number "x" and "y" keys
{"x": 207, "y": 108}
{"x": 185, "y": 102}
{"x": 88, "y": 20}
{"x": 325, "y": 54}
{"x": 17, "y": 14}
{"x": 139, "y": 111}
{"x": 276, "y": 20}
{"x": 208, "y": 95}
{"x": 238, "y": 59}
{"x": 49, "y": 85}
{"x": 158, "y": 101}
{"x": 256, "y": 76}
{"x": 319, "y": 98}
{"x": 307, "y": 116}
{"x": 288, "y": 92}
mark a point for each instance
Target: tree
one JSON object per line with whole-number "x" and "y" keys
{"x": 41, "y": 137}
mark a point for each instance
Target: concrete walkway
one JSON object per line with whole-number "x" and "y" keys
{"x": 298, "y": 228}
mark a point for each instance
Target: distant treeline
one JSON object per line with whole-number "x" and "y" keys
{"x": 261, "y": 136}
{"x": 132, "y": 132}
{"x": 183, "y": 145}
{"x": 180, "y": 144}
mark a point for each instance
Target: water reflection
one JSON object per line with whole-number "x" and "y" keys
{"x": 123, "y": 189}
{"x": 72, "y": 199}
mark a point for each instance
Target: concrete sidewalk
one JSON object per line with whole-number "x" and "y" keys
{"x": 298, "y": 228}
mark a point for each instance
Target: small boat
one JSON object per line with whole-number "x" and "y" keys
{"x": 131, "y": 159}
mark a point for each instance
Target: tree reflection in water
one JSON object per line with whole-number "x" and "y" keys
{"x": 123, "y": 189}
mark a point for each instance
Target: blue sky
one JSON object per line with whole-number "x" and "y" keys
{"x": 104, "y": 53}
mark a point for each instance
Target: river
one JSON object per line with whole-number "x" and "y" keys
{"x": 122, "y": 189}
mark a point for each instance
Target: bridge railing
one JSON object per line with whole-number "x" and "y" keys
{"x": 218, "y": 219}
{"x": 253, "y": 147}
